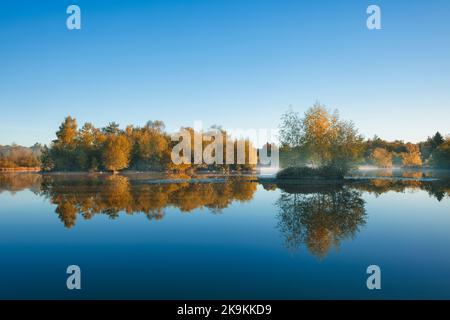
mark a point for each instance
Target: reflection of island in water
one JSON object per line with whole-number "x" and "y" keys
{"x": 318, "y": 217}
{"x": 115, "y": 194}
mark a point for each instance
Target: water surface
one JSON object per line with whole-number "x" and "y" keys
{"x": 137, "y": 237}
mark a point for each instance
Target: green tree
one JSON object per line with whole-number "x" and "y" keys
{"x": 441, "y": 156}
{"x": 427, "y": 147}
{"x": 88, "y": 147}
{"x": 111, "y": 128}
{"x": 290, "y": 129}
{"x": 438, "y": 139}
{"x": 47, "y": 160}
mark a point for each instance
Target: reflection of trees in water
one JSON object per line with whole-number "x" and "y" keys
{"x": 14, "y": 182}
{"x": 115, "y": 194}
{"x": 435, "y": 182}
{"x": 437, "y": 189}
{"x": 320, "y": 220}
{"x": 78, "y": 194}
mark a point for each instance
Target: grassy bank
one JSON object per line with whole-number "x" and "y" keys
{"x": 308, "y": 173}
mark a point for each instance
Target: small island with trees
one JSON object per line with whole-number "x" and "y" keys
{"x": 321, "y": 146}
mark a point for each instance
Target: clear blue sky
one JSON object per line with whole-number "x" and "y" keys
{"x": 237, "y": 63}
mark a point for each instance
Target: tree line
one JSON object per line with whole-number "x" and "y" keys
{"x": 146, "y": 148}
{"x": 434, "y": 152}
{"x": 320, "y": 139}
{"x": 16, "y": 156}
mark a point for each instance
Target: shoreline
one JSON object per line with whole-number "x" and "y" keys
{"x": 217, "y": 176}
{"x": 21, "y": 169}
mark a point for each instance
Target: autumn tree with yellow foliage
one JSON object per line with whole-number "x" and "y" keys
{"x": 116, "y": 152}
{"x": 146, "y": 148}
{"x": 382, "y": 157}
{"x": 412, "y": 156}
{"x": 324, "y": 139}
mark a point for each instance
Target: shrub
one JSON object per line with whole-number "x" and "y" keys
{"x": 326, "y": 172}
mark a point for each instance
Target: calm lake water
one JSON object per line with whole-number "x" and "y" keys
{"x": 134, "y": 237}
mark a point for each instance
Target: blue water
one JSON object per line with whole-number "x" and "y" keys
{"x": 240, "y": 251}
